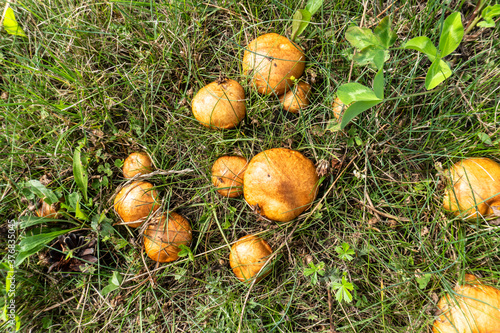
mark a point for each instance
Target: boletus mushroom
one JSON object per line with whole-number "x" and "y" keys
{"x": 220, "y": 104}
{"x": 135, "y": 163}
{"x": 164, "y": 235}
{"x": 227, "y": 175}
{"x": 50, "y": 211}
{"x": 296, "y": 99}
{"x": 472, "y": 308}
{"x": 280, "y": 184}
{"x": 135, "y": 202}
{"x": 338, "y": 108}
{"x": 248, "y": 255}
{"x": 273, "y": 61}
{"x": 474, "y": 188}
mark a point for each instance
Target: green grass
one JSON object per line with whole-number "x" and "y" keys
{"x": 122, "y": 74}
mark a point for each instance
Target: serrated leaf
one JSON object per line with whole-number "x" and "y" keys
{"x": 488, "y": 14}
{"x": 313, "y": 6}
{"x": 301, "y": 20}
{"x": 355, "y": 92}
{"x": 41, "y": 191}
{"x": 79, "y": 172}
{"x": 437, "y": 73}
{"x": 373, "y": 54}
{"x": 378, "y": 84}
{"x": 10, "y": 23}
{"x": 452, "y": 34}
{"x": 384, "y": 33}
{"x": 361, "y": 37}
{"x": 355, "y": 109}
{"x": 422, "y": 44}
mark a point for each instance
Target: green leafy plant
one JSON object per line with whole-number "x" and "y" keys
{"x": 423, "y": 280}
{"x": 9, "y": 22}
{"x": 185, "y": 252}
{"x": 343, "y": 289}
{"x": 344, "y": 252}
{"x": 80, "y": 169}
{"x": 302, "y": 17}
{"x": 488, "y": 14}
{"x": 313, "y": 271}
{"x": 451, "y": 36}
{"x": 115, "y": 282}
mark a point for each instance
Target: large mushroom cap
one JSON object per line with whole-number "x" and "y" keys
{"x": 280, "y": 183}
{"x": 164, "y": 235}
{"x": 135, "y": 202}
{"x": 475, "y": 188}
{"x": 135, "y": 163}
{"x": 247, "y": 257}
{"x": 220, "y": 104}
{"x": 272, "y": 60}
{"x": 297, "y": 99}
{"x": 227, "y": 175}
{"x": 474, "y": 308}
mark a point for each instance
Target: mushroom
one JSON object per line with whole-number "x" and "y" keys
{"x": 297, "y": 99}
{"x": 137, "y": 163}
{"x": 248, "y": 255}
{"x": 227, "y": 175}
{"x": 135, "y": 202}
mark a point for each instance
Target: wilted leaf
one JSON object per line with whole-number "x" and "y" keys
{"x": 384, "y": 33}
{"x": 10, "y": 23}
{"x": 452, "y": 34}
{"x": 422, "y": 44}
{"x": 438, "y": 72}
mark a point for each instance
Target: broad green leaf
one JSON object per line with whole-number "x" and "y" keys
{"x": 452, "y": 34}
{"x": 384, "y": 33}
{"x": 32, "y": 244}
{"x": 116, "y": 279}
{"x": 41, "y": 191}
{"x": 10, "y": 24}
{"x": 79, "y": 172}
{"x": 313, "y": 6}
{"x": 438, "y": 72}
{"x": 488, "y": 14}
{"x": 185, "y": 251}
{"x": 485, "y": 138}
{"x": 378, "y": 84}
{"x": 79, "y": 213}
{"x": 355, "y": 109}
{"x": 360, "y": 37}
{"x": 422, "y": 44}
{"x": 109, "y": 288}
{"x": 373, "y": 54}
{"x": 301, "y": 20}
{"x": 355, "y": 92}
{"x": 29, "y": 221}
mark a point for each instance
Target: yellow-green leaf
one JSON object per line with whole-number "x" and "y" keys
{"x": 10, "y": 24}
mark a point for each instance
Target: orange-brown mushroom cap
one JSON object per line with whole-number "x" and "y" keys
{"x": 297, "y": 99}
{"x": 164, "y": 235}
{"x": 273, "y": 61}
{"x": 135, "y": 163}
{"x": 248, "y": 255}
{"x": 280, "y": 183}
{"x": 227, "y": 175}
{"x": 135, "y": 202}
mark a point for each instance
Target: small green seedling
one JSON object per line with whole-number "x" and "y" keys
{"x": 313, "y": 271}
{"x": 344, "y": 252}
{"x": 302, "y": 17}
{"x": 343, "y": 289}
{"x": 185, "y": 252}
{"x": 488, "y": 14}
{"x": 9, "y": 22}
{"x": 451, "y": 36}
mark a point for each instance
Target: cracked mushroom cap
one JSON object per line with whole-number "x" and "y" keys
{"x": 247, "y": 257}
{"x": 272, "y": 60}
{"x": 297, "y": 99}
{"x": 164, "y": 235}
{"x": 227, "y": 175}
{"x": 135, "y": 202}
{"x": 220, "y": 104}
{"x": 135, "y": 163}
{"x": 280, "y": 183}
{"x": 475, "y": 308}
{"x": 474, "y": 188}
